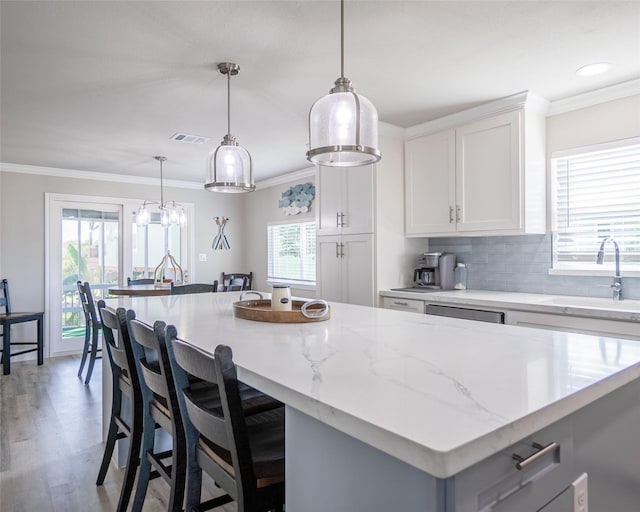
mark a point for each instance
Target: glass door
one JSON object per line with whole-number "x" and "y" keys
{"x": 87, "y": 248}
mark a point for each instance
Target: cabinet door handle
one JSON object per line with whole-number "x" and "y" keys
{"x": 450, "y": 214}
{"x": 337, "y": 219}
{"x": 337, "y": 250}
{"x": 522, "y": 462}
{"x": 458, "y": 212}
{"x": 341, "y": 219}
{"x": 341, "y": 250}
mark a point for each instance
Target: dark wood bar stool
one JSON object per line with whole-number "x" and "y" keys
{"x": 93, "y": 325}
{"x": 125, "y": 382}
{"x": 9, "y": 318}
{"x": 243, "y": 454}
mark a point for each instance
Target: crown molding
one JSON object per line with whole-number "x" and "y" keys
{"x": 286, "y": 178}
{"x": 95, "y": 176}
{"x": 591, "y": 98}
{"x": 525, "y": 99}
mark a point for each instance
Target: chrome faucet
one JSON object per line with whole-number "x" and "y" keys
{"x": 617, "y": 279}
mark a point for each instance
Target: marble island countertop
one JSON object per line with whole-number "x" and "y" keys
{"x": 438, "y": 393}
{"x": 592, "y": 307}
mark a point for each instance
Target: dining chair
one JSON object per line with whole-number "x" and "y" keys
{"x": 184, "y": 289}
{"x": 244, "y": 454}
{"x": 9, "y": 318}
{"x": 93, "y": 326}
{"x": 237, "y": 281}
{"x": 124, "y": 421}
{"x": 133, "y": 282}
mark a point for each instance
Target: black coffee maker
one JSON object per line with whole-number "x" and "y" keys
{"x": 436, "y": 271}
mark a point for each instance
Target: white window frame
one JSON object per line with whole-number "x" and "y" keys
{"x": 301, "y": 285}
{"x": 586, "y": 269}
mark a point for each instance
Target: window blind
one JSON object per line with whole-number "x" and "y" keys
{"x": 597, "y": 195}
{"x": 292, "y": 252}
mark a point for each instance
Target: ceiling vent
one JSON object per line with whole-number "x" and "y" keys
{"x": 191, "y": 139}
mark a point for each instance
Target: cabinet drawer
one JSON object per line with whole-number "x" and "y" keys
{"x": 496, "y": 484}
{"x": 417, "y": 306}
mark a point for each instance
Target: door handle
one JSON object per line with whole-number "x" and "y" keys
{"x": 337, "y": 250}
{"x": 341, "y": 219}
{"x": 341, "y": 250}
{"x": 458, "y": 213}
{"x": 450, "y": 214}
{"x": 337, "y": 219}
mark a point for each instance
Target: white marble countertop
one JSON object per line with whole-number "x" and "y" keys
{"x": 438, "y": 393}
{"x": 591, "y": 307}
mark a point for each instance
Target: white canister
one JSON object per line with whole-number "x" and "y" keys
{"x": 281, "y": 297}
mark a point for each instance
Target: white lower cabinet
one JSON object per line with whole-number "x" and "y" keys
{"x": 346, "y": 268}
{"x": 414, "y": 306}
{"x": 595, "y": 326}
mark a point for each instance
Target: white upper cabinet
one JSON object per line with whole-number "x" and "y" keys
{"x": 484, "y": 177}
{"x": 345, "y": 200}
{"x": 430, "y": 184}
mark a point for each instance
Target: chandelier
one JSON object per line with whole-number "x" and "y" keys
{"x": 170, "y": 211}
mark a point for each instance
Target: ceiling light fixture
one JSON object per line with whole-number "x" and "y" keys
{"x": 593, "y": 69}
{"x": 343, "y": 126}
{"x": 230, "y": 165}
{"x": 170, "y": 211}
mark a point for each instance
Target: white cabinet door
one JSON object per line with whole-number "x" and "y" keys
{"x": 330, "y": 191}
{"x": 488, "y": 174}
{"x": 430, "y": 194}
{"x": 357, "y": 269}
{"x": 345, "y": 268}
{"x": 345, "y": 200}
{"x": 329, "y": 268}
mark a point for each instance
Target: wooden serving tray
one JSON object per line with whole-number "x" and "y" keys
{"x": 260, "y": 310}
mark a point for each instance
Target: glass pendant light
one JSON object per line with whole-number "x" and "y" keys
{"x": 230, "y": 166}
{"x": 170, "y": 211}
{"x": 343, "y": 126}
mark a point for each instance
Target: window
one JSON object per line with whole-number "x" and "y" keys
{"x": 150, "y": 243}
{"x": 292, "y": 252}
{"x": 597, "y": 195}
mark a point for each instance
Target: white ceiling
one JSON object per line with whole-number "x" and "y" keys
{"x": 101, "y": 86}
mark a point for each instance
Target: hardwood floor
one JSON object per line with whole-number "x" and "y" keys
{"x": 51, "y": 443}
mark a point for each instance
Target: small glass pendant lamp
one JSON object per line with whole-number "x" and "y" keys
{"x": 343, "y": 126}
{"x": 230, "y": 167}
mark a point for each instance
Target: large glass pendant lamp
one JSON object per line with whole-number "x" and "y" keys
{"x": 343, "y": 126}
{"x": 230, "y": 167}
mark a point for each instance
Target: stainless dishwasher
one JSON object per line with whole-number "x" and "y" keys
{"x": 494, "y": 317}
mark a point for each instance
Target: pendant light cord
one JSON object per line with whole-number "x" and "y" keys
{"x": 342, "y": 38}
{"x": 229, "y": 103}
{"x": 161, "y": 188}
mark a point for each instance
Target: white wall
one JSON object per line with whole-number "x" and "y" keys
{"x": 395, "y": 254}
{"x": 22, "y": 225}
{"x": 261, "y": 208}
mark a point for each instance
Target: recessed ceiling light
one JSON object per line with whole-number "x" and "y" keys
{"x": 593, "y": 69}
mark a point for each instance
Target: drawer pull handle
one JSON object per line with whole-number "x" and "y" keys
{"x": 401, "y": 303}
{"x": 522, "y": 462}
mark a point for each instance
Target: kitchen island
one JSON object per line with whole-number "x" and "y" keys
{"x": 389, "y": 410}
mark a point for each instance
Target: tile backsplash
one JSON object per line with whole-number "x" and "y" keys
{"x": 521, "y": 264}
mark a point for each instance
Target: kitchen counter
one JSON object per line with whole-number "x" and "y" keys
{"x": 439, "y": 394}
{"x": 592, "y": 307}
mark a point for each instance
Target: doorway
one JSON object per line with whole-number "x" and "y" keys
{"x": 85, "y": 244}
